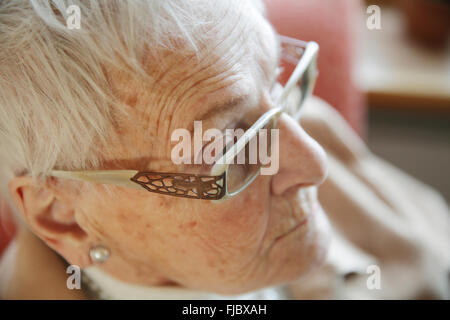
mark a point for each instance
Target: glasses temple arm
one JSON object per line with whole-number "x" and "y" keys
{"x": 114, "y": 177}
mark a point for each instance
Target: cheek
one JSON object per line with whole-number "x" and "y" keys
{"x": 239, "y": 224}
{"x": 170, "y": 229}
{"x": 129, "y": 223}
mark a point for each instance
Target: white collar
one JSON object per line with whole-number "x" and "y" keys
{"x": 108, "y": 287}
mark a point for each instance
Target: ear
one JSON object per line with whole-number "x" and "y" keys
{"x": 51, "y": 218}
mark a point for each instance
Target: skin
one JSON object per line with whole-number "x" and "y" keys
{"x": 273, "y": 232}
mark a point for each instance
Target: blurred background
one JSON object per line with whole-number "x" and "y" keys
{"x": 385, "y": 66}
{"x": 405, "y": 69}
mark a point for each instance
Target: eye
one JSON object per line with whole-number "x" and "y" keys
{"x": 243, "y": 124}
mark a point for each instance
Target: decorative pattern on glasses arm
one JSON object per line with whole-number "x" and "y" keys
{"x": 183, "y": 185}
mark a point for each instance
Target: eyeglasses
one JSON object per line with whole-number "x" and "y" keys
{"x": 229, "y": 175}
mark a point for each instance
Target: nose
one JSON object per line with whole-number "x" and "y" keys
{"x": 302, "y": 161}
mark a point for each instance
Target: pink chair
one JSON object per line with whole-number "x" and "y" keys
{"x": 331, "y": 23}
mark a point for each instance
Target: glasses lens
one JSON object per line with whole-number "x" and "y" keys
{"x": 247, "y": 163}
{"x": 291, "y": 56}
{"x": 305, "y": 85}
{"x": 293, "y": 101}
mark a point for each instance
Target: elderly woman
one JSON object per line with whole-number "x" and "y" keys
{"x": 88, "y": 115}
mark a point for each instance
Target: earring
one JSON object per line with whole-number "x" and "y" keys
{"x": 99, "y": 253}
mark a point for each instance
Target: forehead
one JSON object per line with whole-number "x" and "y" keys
{"x": 240, "y": 51}
{"x": 236, "y": 59}
{"x": 237, "y": 39}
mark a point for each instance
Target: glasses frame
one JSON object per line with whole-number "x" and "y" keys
{"x": 214, "y": 186}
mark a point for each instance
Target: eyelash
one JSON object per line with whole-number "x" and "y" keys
{"x": 239, "y": 125}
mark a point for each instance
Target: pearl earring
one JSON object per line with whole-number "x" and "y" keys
{"x": 99, "y": 254}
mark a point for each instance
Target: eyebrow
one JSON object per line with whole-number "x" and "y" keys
{"x": 222, "y": 107}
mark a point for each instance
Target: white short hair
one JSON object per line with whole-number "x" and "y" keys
{"x": 56, "y": 107}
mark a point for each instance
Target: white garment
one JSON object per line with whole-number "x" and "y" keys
{"x": 111, "y": 288}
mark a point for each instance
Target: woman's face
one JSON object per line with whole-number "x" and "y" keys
{"x": 271, "y": 233}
